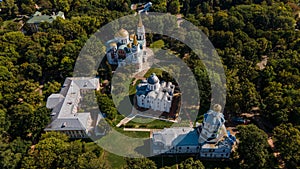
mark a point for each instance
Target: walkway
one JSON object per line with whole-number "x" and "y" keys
{"x": 137, "y": 129}
{"x": 126, "y": 119}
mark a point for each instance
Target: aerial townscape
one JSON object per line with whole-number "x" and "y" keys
{"x": 51, "y": 116}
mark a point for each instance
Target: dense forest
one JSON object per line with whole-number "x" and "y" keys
{"x": 245, "y": 32}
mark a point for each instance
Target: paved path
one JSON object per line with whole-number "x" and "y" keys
{"x": 137, "y": 129}
{"x": 143, "y": 130}
{"x": 126, "y": 119}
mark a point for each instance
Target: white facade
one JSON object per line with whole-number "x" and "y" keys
{"x": 213, "y": 151}
{"x": 155, "y": 95}
{"x": 213, "y": 128}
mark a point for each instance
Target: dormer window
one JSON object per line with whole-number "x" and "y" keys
{"x": 64, "y": 124}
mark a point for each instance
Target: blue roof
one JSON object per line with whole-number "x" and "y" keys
{"x": 152, "y": 79}
{"x": 189, "y": 139}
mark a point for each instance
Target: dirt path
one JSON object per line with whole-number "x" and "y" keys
{"x": 276, "y": 153}
{"x": 262, "y": 65}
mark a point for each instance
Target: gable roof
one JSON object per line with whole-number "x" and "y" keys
{"x": 65, "y": 105}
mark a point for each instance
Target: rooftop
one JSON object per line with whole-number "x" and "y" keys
{"x": 38, "y": 17}
{"x": 65, "y": 104}
{"x": 177, "y": 136}
{"x": 153, "y": 79}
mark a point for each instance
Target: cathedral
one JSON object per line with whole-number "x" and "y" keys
{"x": 156, "y": 95}
{"x": 127, "y": 49}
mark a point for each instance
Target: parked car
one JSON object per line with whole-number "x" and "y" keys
{"x": 239, "y": 120}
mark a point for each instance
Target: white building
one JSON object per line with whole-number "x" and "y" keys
{"x": 152, "y": 94}
{"x": 65, "y": 105}
{"x": 34, "y": 22}
{"x": 127, "y": 49}
{"x": 209, "y": 140}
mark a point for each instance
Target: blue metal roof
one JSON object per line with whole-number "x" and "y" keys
{"x": 189, "y": 139}
{"x": 153, "y": 79}
{"x": 141, "y": 90}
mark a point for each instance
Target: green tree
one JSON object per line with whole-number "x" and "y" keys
{"x": 286, "y": 141}
{"x": 252, "y": 147}
{"x": 174, "y": 7}
{"x": 20, "y": 118}
{"x": 159, "y": 5}
{"x": 63, "y": 5}
{"x": 91, "y": 161}
{"x": 191, "y": 164}
{"x": 139, "y": 163}
{"x": 107, "y": 106}
{"x": 11, "y": 153}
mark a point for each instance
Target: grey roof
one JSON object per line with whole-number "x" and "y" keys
{"x": 84, "y": 83}
{"x": 38, "y": 18}
{"x": 176, "y": 136}
{"x": 65, "y": 124}
{"x": 66, "y": 104}
{"x": 53, "y": 100}
{"x": 41, "y": 18}
{"x": 153, "y": 79}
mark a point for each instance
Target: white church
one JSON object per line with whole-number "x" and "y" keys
{"x": 127, "y": 49}
{"x": 155, "y": 95}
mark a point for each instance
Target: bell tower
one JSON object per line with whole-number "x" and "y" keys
{"x": 141, "y": 32}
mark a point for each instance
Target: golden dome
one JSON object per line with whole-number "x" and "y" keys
{"x": 131, "y": 36}
{"x": 122, "y": 33}
{"x": 113, "y": 44}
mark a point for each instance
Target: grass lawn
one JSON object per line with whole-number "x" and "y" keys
{"x": 135, "y": 134}
{"x": 157, "y": 71}
{"x": 140, "y": 122}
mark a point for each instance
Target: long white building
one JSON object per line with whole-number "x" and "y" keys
{"x": 66, "y": 116}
